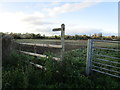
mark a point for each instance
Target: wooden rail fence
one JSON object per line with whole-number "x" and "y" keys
{"x": 36, "y": 54}
{"x": 62, "y": 47}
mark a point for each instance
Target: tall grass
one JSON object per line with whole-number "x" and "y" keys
{"x": 18, "y": 73}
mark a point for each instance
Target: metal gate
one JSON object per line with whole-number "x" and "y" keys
{"x": 103, "y": 56}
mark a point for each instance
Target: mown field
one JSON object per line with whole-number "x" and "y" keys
{"x": 18, "y": 73}
{"x": 67, "y": 42}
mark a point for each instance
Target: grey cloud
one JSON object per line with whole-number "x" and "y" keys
{"x": 32, "y": 18}
{"x": 42, "y": 30}
{"x": 41, "y": 23}
{"x": 82, "y": 31}
{"x": 37, "y": 21}
{"x": 70, "y": 7}
{"x": 46, "y": 31}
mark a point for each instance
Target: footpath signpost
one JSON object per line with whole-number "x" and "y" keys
{"x": 62, "y": 29}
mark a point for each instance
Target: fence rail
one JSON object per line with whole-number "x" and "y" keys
{"x": 106, "y": 73}
{"x": 107, "y": 56}
{"x": 107, "y": 60}
{"x": 39, "y": 55}
{"x": 105, "y": 65}
{"x": 37, "y": 65}
{"x": 43, "y": 45}
{"x": 92, "y": 65}
{"x": 108, "y": 41}
{"x": 106, "y": 48}
{"x": 105, "y": 69}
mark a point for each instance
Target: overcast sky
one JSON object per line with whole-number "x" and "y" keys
{"x": 84, "y": 17}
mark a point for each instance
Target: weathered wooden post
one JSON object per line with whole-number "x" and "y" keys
{"x": 89, "y": 55}
{"x": 19, "y": 48}
{"x": 62, "y": 29}
{"x": 6, "y": 46}
{"x": 35, "y": 48}
{"x": 62, "y": 40}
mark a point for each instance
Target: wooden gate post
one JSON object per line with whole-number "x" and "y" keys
{"x": 62, "y": 29}
{"x": 62, "y": 40}
{"x": 89, "y": 55}
{"x": 19, "y": 47}
{"x": 35, "y": 51}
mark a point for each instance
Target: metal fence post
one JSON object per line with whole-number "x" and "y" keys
{"x": 89, "y": 54}
{"x": 1, "y": 61}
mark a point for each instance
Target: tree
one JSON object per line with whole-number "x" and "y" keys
{"x": 99, "y": 34}
{"x": 38, "y": 36}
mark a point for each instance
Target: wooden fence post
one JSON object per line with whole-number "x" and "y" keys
{"x": 62, "y": 29}
{"x": 35, "y": 48}
{"x": 62, "y": 40}
{"x": 19, "y": 47}
{"x": 89, "y": 54}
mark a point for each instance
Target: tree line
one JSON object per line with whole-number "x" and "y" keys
{"x": 67, "y": 37}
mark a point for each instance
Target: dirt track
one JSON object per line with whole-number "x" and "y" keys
{"x": 41, "y": 50}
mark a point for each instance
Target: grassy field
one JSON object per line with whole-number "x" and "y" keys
{"x": 68, "y": 42}
{"x": 51, "y": 41}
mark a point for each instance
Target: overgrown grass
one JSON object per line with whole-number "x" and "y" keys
{"x": 18, "y": 73}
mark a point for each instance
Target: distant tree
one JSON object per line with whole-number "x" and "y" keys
{"x": 94, "y": 36}
{"x": 38, "y": 36}
{"x": 57, "y": 37}
{"x": 113, "y": 36}
{"x": 85, "y": 37}
{"x": 99, "y": 34}
{"x": 33, "y": 35}
{"x": 67, "y": 37}
{"x": 2, "y": 34}
{"x": 77, "y": 37}
{"x": 43, "y": 35}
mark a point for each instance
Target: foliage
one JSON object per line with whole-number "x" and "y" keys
{"x": 67, "y": 37}
{"x": 70, "y": 73}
